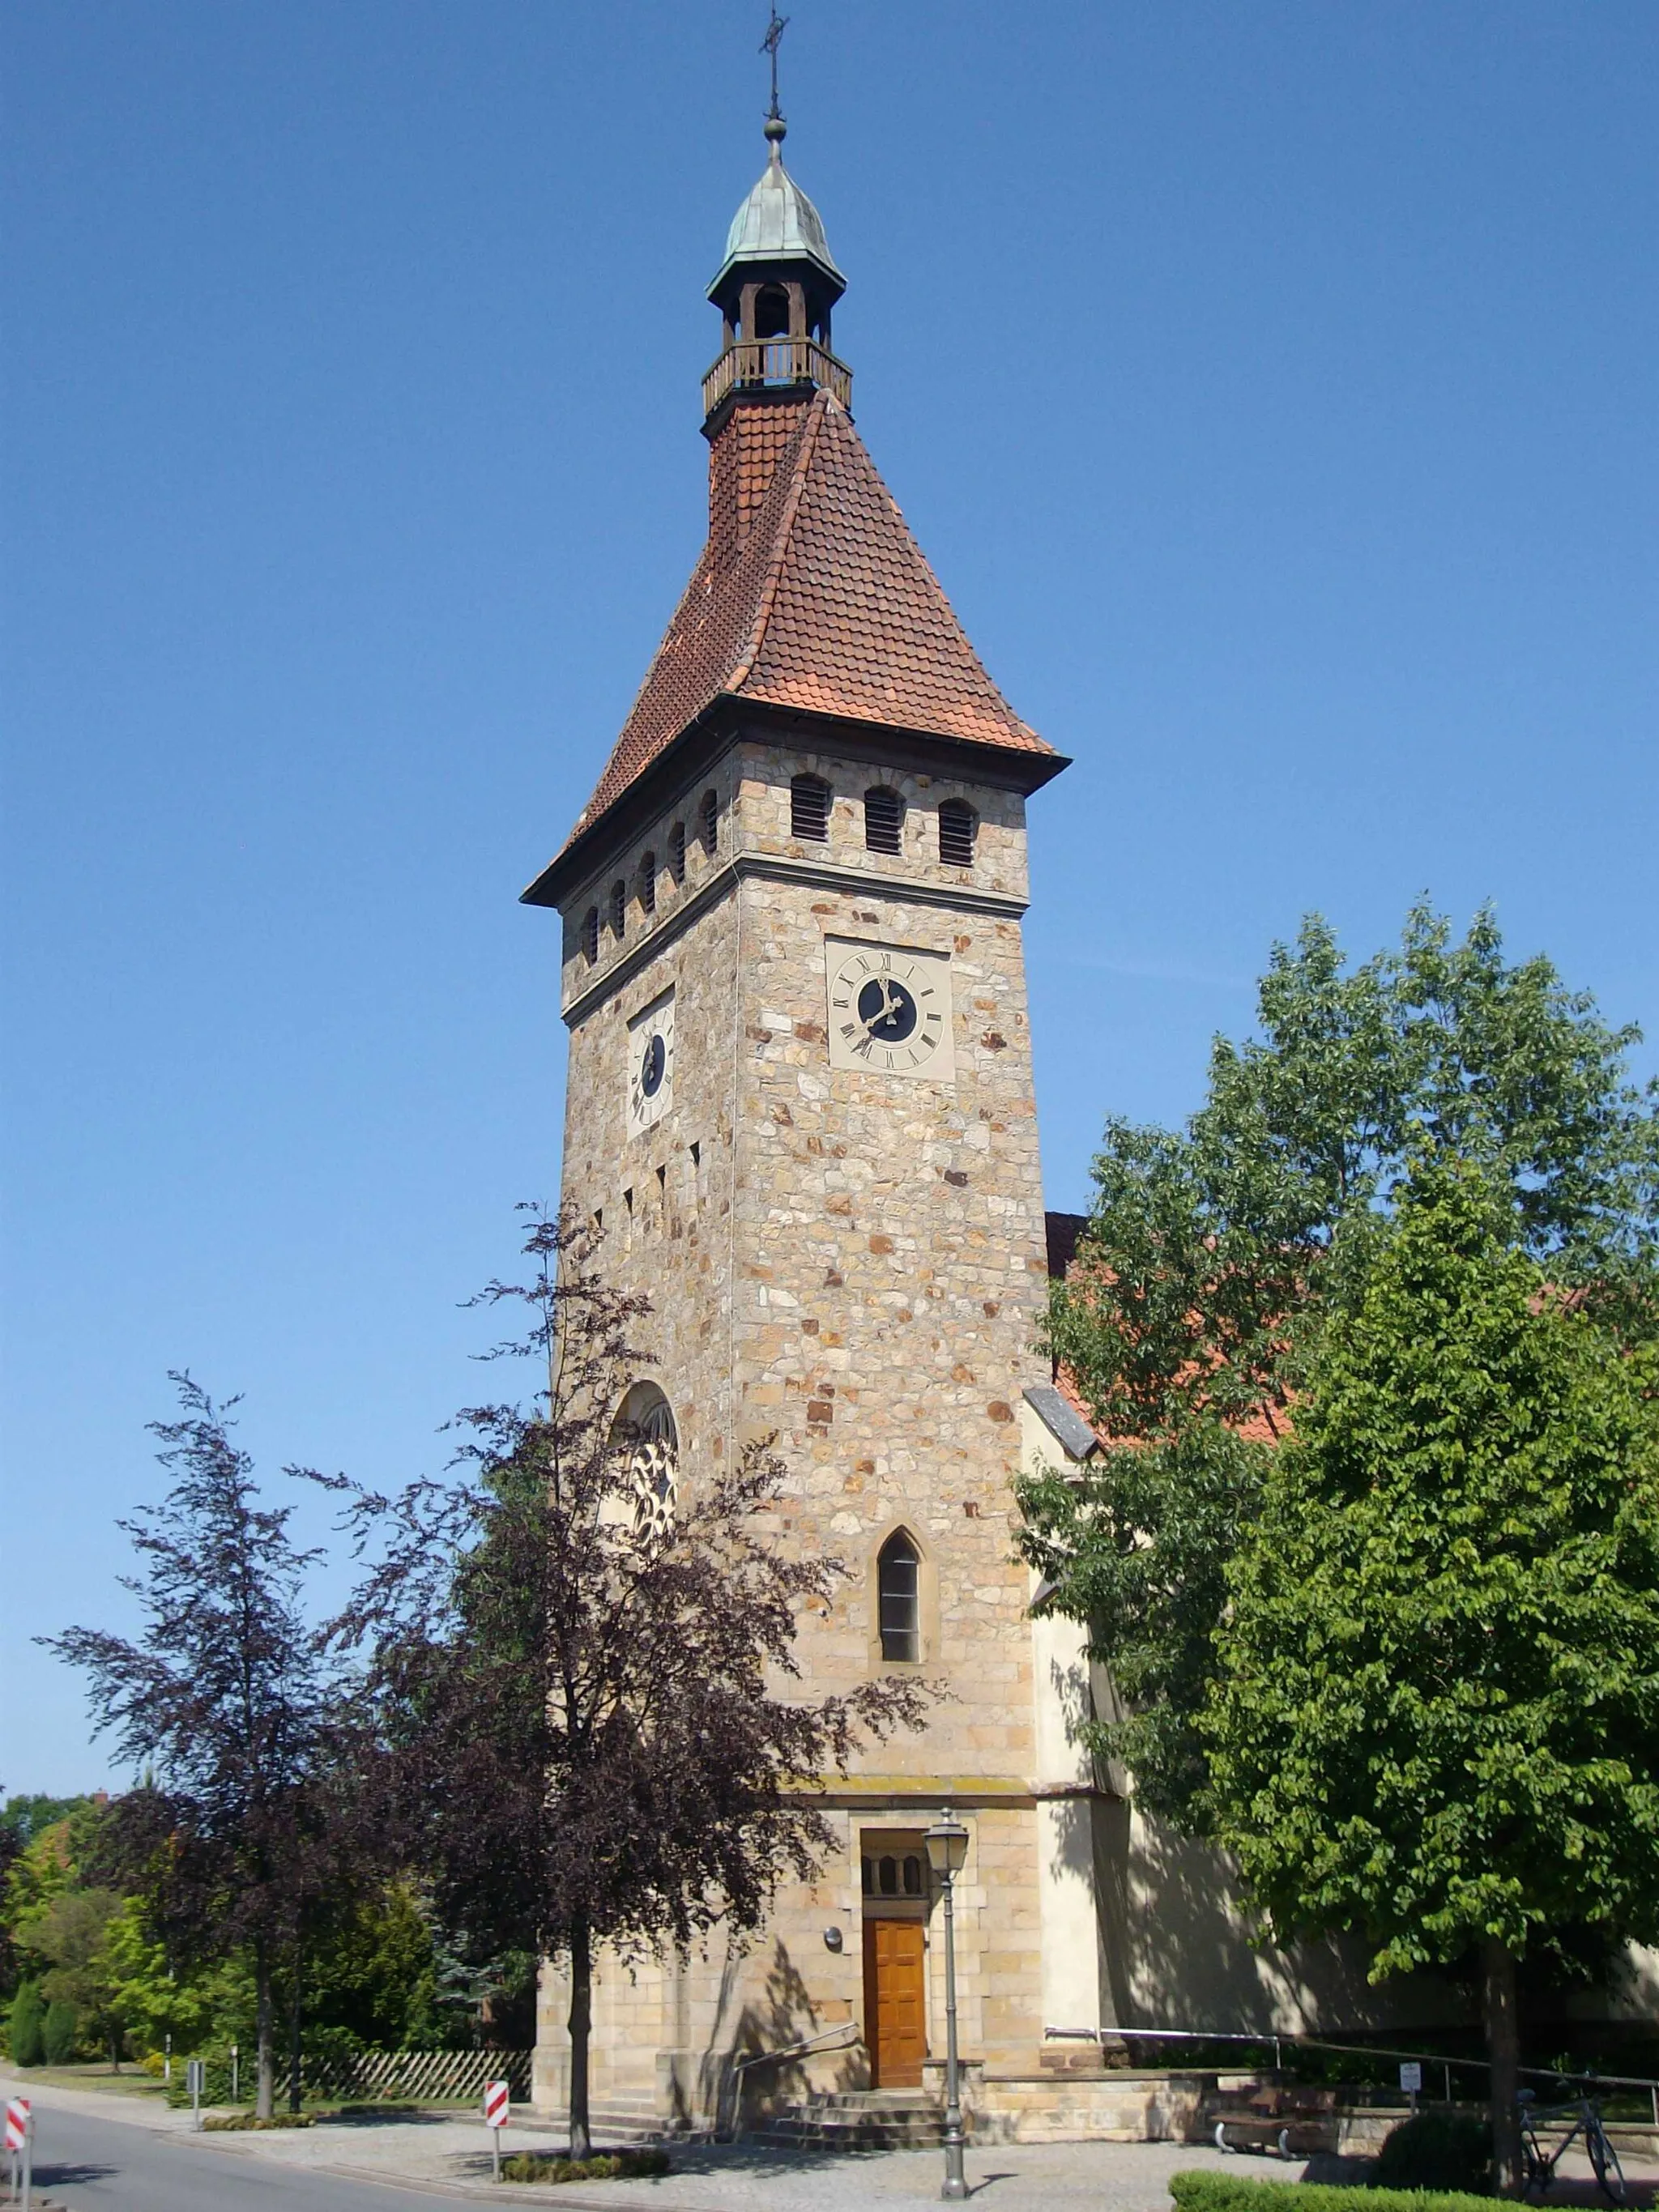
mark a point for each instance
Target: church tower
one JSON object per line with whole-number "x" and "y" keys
{"x": 800, "y": 1105}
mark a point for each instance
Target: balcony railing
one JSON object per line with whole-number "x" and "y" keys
{"x": 758, "y": 363}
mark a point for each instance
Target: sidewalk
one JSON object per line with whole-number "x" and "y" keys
{"x": 454, "y": 2155}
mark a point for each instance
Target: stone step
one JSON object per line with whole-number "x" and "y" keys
{"x": 857, "y": 2119}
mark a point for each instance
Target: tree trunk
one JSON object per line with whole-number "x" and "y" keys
{"x": 294, "y": 2082}
{"x": 581, "y": 2020}
{"x": 265, "y": 2099}
{"x": 1504, "y": 2050}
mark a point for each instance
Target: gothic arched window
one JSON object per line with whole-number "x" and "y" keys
{"x": 809, "y": 809}
{"x": 899, "y": 1596}
{"x": 648, "y": 882}
{"x": 883, "y": 820}
{"x": 644, "y": 1432}
{"x": 677, "y": 852}
{"x": 709, "y": 813}
{"x": 618, "y": 907}
{"x": 956, "y": 825}
{"x": 591, "y": 935}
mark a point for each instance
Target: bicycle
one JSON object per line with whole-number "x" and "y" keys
{"x": 1540, "y": 2164}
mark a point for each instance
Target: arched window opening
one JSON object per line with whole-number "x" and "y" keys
{"x": 618, "y": 908}
{"x": 709, "y": 818}
{"x": 881, "y": 1875}
{"x": 883, "y": 820}
{"x": 772, "y": 312}
{"x": 809, "y": 809}
{"x": 898, "y": 1597}
{"x": 644, "y": 1434}
{"x": 677, "y": 852}
{"x": 648, "y": 882}
{"x": 591, "y": 935}
{"x": 956, "y": 825}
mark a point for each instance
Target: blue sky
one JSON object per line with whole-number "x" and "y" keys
{"x": 1270, "y": 385}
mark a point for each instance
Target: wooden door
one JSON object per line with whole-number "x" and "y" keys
{"x": 895, "y": 2002}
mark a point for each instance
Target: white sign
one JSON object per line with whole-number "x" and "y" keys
{"x": 1411, "y": 2076}
{"x": 498, "y": 2095}
{"x": 17, "y": 2123}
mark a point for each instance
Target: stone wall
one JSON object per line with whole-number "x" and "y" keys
{"x": 855, "y": 1264}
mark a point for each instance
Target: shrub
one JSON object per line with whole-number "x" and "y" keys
{"x": 215, "y": 2083}
{"x": 1226, "y": 2192}
{"x": 29, "y": 2013}
{"x": 58, "y": 2033}
{"x": 1437, "y": 2150}
{"x": 603, "y": 2165}
{"x": 234, "y": 2122}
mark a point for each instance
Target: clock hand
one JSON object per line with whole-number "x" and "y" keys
{"x": 888, "y": 1006}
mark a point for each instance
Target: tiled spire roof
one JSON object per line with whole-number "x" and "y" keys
{"x": 811, "y": 594}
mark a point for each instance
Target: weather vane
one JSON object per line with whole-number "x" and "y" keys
{"x": 769, "y": 46}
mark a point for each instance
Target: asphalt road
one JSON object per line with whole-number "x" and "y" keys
{"x": 99, "y": 2166}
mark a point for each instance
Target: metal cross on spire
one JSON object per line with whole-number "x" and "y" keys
{"x": 769, "y": 46}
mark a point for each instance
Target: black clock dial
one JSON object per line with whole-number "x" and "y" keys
{"x": 652, "y": 1066}
{"x": 887, "y": 1010}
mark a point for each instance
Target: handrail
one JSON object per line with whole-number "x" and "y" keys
{"x": 1353, "y": 2050}
{"x": 825, "y": 2039}
{"x": 728, "y": 2114}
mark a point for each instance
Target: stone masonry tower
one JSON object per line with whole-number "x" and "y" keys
{"x": 800, "y": 1104}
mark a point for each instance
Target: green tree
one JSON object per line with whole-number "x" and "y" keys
{"x": 29, "y": 2013}
{"x": 43, "y": 1869}
{"x": 58, "y": 2032}
{"x": 1436, "y": 1717}
{"x": 1213, "y": 1254}
{"x": 26, "y": 1816}
{"x": 152, "y": 1996}
{"x": 70, "y": 1932}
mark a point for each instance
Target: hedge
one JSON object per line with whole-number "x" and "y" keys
{"x": 603, "y": 2165}
{"x": 1226, "y": 2192}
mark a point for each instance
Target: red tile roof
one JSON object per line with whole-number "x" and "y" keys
{"x": 811, "y": 594}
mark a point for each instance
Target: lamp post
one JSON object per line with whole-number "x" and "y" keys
{"x": 947, "y": 1848}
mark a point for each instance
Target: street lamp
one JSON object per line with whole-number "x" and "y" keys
{"x": 947, "y": 1848}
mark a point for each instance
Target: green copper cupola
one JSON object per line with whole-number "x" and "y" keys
{"x": 776, "y": 290}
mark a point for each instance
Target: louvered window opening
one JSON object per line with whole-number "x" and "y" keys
{"x": 809, "y": 809}
{"x": 956, "y": 825}
{"x": 648, "y": 882}
{"x": 711, "y": 822}
{"x": 618, "y": 908}
{"x": 884, "y": 821}
{"x": 591, "y": 935}
{"x": 898, "y": 1598}
{"x": 677, "y": 852}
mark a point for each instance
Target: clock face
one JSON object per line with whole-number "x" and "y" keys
{"x": 890, "y": 1009}
{"x": 651, "y": 1063}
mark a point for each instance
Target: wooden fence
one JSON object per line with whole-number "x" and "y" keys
{"x": 450, "y": 2076}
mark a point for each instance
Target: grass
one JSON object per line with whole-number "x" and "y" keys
{"x": 130, "y": 2081}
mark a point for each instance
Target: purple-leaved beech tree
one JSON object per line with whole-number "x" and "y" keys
{"x": 579, "y": 1701}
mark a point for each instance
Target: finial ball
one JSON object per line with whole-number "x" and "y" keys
{"x": 776, "y": 128}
